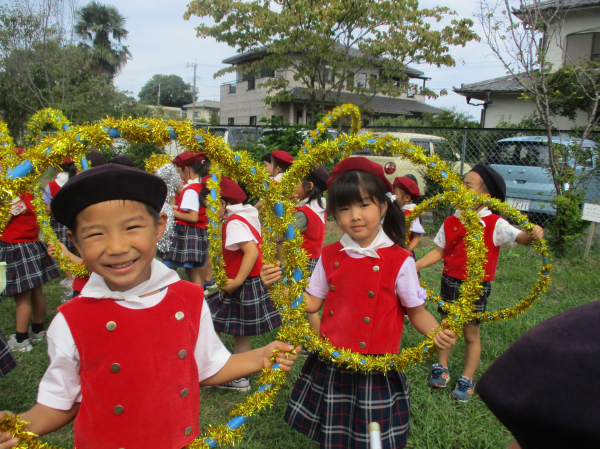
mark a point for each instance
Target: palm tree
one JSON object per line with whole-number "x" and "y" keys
{"x": 97, "y": 24}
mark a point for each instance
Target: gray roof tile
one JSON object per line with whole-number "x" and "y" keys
{"x": 503, "y": 84}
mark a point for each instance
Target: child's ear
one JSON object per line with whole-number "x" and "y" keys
{"x": 161, "y": 225}
{"x": 73, "y": 238}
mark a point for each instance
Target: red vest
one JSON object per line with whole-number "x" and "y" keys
{"x": 314, "y": 236}
{"x": 362, "y": 311}
{"x": 139, "y": 382}
{"x": 233, "y": 259}
{"x": 54, "y": 188}
{"x": 23, "y": 227}
{"x": 455, "y": 256}
{"x": 201, "y": 223}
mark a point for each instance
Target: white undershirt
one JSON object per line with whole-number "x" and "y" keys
{"x": 416, "y": 226}
{"x": 190, "y": 200}
{"x": 239, "y": 232}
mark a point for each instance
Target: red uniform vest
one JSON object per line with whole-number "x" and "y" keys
{"x": 54, "y": 188}
{"x": 201, "y": 223}
{"x": 455, "y": 256}
{"x": 140, "y": 388}
{"x": 23, "y": 227}
{"x": 314, "y": 236}
{"x": 233, "y": 259}
{"x": 362, "y": 311}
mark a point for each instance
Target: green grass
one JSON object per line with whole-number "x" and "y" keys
{"x": 436, "y": 421}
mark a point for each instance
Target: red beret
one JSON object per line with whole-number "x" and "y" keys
{"x": 68, "y": 160}
{"x": 186, "y": 158}
{"x": 408, "y": 186}
{"x": 283, "y": 157}
{"x": 20, "y": 151}
{"x": 363, "y": 164}
{"x": 231, "y": 192}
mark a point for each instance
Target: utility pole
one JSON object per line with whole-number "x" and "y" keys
{"x": 195, "y": 66}
{"x": 158, "y": 97}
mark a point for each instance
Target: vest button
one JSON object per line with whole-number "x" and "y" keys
{"x": 115, "y": 367}
{"x": 375, "y": 268}
{"x": 184, "y": 393}
{"x": 332, "y": 288}
{"x": 451, "y": 255}
{"x": 367, "y": 320}
{"x": 362, "y": 345}
{"x": 323, "y": 335}
{"x": 118, "y": 409}
{"x": 446, "y": 269}
{"x": 179, "y": 316}
{"x": 336, "y": 264}
{"x": 111, "y": 326}
{"x": 370, "y": 294}
{"x": 331, "y": 313}
{"x": 182, "y": 354}
{"x": 454, "y": 229}
{"x": 188, "y": 431}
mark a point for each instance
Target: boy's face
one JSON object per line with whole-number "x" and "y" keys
{"x": 402, "y": 198}
{"x": 474, "y": 182}
{"x": 117, "y": 240}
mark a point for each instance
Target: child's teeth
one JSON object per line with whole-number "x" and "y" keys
{"x": 123, "y": 265}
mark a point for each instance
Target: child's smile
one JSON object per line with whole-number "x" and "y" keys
{"x": 361, "y": 220}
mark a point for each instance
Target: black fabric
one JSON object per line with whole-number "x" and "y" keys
{"x": 36, "y": 328}
{"x": 122, "y": 160}
{"x": 96, "y": 159}
{"x": 493, "y": 181}
{"x": 21, "y": 336}
{"x": 542, "y": 388}
{"x": 319, "y": 176}
{"x": 106, "y": 183}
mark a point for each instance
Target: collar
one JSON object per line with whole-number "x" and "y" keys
{"x": 314, "y": 206}
{"x": 62, "y": 178}
{"x": 482, "y": 213}
{"x": 160, "y": 277}
{"x": 278, "y": 177}
{"x": 409, "y": 206}
{"x": 193, "y": 181}
{"x": 380, "y": 241}
{"x": 246, "y": 211}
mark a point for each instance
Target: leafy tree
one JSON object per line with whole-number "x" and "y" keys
{"x": 173, "y": 91}
{"x": 104, "y": 27}
{"x": 318, "y": 41}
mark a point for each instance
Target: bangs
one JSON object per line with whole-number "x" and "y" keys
{"x": 351, "y": 187}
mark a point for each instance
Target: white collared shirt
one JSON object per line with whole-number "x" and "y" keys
{"x": 238, "y": 232}
{"x": 416, "y": 223}
{"x": 314, "y": 206}
{"x": 190, "y": 199}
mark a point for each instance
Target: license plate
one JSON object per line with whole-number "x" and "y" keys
{"x": 519, "y": 203}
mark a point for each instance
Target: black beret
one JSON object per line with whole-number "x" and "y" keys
{"x": 105, "y": 183}
{"x": 122, "y": 160}
{"x": 542, "y": 388}
{"x": 493, "y": 181}
{"x": 319, "y": 177}
{"x": 96, "y": 158}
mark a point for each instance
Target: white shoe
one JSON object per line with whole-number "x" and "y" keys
{"x": 24, "y": 346}
{"x": 36, "y": 337}
{"x": 67, "y": 283}
{"x": 242, "y": 384}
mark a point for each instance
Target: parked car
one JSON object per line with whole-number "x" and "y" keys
{"x": 523, "y": 162}
{"x": 396, "y": 166}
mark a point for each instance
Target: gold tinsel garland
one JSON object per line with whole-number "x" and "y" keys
{"x": 42, "y": 118}
{"x": 154, "y": 162}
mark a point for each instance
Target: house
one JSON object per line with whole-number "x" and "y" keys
{"x": 242, "y": 100}
{"x": 166, "y": 112}
{"x": 575, "y": 36}
{"x": 201, "y": 110}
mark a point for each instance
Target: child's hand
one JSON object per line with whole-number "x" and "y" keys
{"x": 537, "y": 233}
{"x": 285, "y": 359}
{"x": 445, "y": 338}
{"x": 51, "y": 250}
{"x": 231, "y": 286}
{"x": 6, "y": 440}
{"x": 270, "y": 274}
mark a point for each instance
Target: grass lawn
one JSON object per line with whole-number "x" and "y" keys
{"x": 436, "y": 421}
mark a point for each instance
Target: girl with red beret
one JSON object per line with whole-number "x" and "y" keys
{"x": 280, "y": 162}
{"x": 406, "y": 191}
{"x": 189, "y": 246}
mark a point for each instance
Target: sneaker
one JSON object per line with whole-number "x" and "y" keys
{"x": 36, "y": 337}
{"x": 67, "y": 283}
{"x": 242, "y": 384}
{"x": 67, "y": 295}
{"x": 24, "y": 346}
{"x": 439, "y": 376}
{"x": 209, "y": 283}
{"x": 464, "y": 389}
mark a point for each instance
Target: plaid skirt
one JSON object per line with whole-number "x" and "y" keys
{"x": 28, "y": 265}
{"x": 189, "y": 244}
{"x": 61, "y": 232}
{"x": 334, "y": 406}
{"x": 451, "y": 290}
{"x": 7, "y": 361}
{"x": 312, "y": 264}
{"x": 247, "y": 311}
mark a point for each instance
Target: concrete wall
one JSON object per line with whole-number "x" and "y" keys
{"x": 579, "y": 21}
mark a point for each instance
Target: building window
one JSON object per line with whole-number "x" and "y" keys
{"x": 365, "y": 122}
{"x": 232, "y": 88}
{"x": 327, "y": 76}
{"x": 231, "y": 121}
{"x": 361, "y": 80}
{"x": 581, "y": 47}
{"x": 251, "y": 84}
{"x": 279, "y": 73}
{"x": 350, "y": 81}
{"x": 267, "y": 73}
{"x": 373, "y": 82}
{"x": 253, "y": 120}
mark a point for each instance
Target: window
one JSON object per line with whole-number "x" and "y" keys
{"x": 279, "y": 73}
{"x": 253, "y": 120}
{"x": 267, "y": 73}
{"x": 581, "y": 47}
{"x": 232, "y": 88}
{"x": 327, "y": 74}
{"x": 373, "y": 82}
{"x": 365, "y": 122}
{"x": 230, "y": 121}
{"x": 350, "y": 81}
{"x": 520, "y": 154}
{"x": 361, "y": 80}
{"x": 251, "y": 84}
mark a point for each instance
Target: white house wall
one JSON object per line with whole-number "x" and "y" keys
{"x": 578, "y": 21}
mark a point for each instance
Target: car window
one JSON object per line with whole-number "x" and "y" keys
{"x": 530, "y": 154}
{"x": 422, "y": 143}
{"x": 503, "y": 153}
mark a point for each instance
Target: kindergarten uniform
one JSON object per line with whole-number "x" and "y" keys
{"x": 133, "y": 362}
{"x": 451, "y": 236}
{"x": 365, "y": 291}
{"x": 416, "y": 226}
{"x": 248, "y": 310}
{"x": 28, "y": 264}
{"x": 314, "y": 231}
{"x": 189, "y": 245}
{"x": 51, "y": 189}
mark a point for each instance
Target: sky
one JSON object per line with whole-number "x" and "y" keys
{"x": 161, "y": 41}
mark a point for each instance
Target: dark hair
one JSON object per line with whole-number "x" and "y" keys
{"x": 70, "y": 168}
{"x": 412, "y": 177}
{"x": 197, "y": 167}
{"x": 282, "y": 167}
{"x": 267, "y": 157}
{"x": 350, "y": 187}
{"x": 205, "y": 171}
{"x": 315, "y": 193}
{"x": 151, "y": 211}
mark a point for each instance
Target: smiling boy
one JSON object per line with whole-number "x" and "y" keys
{"x": 128, "y": 355}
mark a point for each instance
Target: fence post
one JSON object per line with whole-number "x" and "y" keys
{"x": 464, "y": 150}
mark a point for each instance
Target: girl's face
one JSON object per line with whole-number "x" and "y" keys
{"x": 221, "y": 211}
{"x": 268, "y": 167}
{"x": 302, "y": 192}
{"x": 402, "y": 198}
{"x": 183, "y": 173}
{"x": 361, "y": 220}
